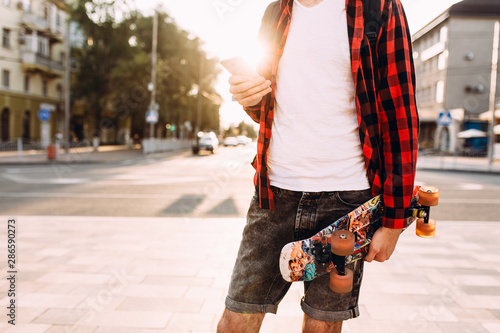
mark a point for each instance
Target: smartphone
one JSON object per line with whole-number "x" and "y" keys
{"x": 238, "y": 66}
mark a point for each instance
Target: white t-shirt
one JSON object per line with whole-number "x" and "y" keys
{"x": 315, "y": 144}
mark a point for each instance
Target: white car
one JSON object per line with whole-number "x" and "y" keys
{"x": 230, "y": 141}
{"x": 243, "y": 140}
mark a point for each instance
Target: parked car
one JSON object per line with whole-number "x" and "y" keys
{"x": 205, "y": 141}
{"x": 230, "y": 141}
{"x": 243, "y": 140}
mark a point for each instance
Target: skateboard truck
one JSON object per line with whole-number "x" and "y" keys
{"x": 427, "y": 197}
{"x": 333, "y": 250}
{"x": 341, "y": 245}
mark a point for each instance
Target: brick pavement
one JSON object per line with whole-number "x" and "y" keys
{"x": 128, "y": 275}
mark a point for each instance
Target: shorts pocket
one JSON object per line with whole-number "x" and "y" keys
{"x": 353, "y": 199}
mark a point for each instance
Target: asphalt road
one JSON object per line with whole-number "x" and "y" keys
{"x": 185, "y": 185}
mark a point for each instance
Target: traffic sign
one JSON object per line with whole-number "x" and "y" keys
{"x": 152, "y": 116}
{"x": 444, "y": 118}
{"x": 44, "y": 114}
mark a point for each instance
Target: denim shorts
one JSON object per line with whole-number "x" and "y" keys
{"x": 256, "y": 283}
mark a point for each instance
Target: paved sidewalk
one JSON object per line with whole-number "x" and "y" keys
{"x": 128, "y": 275}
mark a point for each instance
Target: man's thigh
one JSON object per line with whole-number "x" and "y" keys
{"x": 256, "y": 283}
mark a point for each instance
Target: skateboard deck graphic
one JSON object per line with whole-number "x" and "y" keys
{"x": 307, "y": 259}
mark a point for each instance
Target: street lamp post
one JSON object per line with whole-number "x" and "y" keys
{"x": 200, "y": 95}
{"x": 493, "y": 91}
{"x": 152, "y": 105}
{"x": 67, "y": 83}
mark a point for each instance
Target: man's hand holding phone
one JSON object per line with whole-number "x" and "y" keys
{"x": 247, "y": 87}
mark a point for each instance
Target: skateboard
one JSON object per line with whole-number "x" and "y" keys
{"x": 347, "y": 240}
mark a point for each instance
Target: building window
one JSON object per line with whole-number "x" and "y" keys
{"x": 440, "y": 92}
{"x": 27, "y": 125}
{"x": 43, "y": 46}
{"x": 442, "y": 61}
{"x": 6, "y": 38}
{"x": 5, "y": 78}
{"x": 443, "y": 34}
{"x": 424, "y": 95}
{"x": 26, "y": 6}
{"x": 26, "y": 83}
{"x": 45, "y": 88}
{"x": 5, "y": 127}
{"x": 60, "y": 91}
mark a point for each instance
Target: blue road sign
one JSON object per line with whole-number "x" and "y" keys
{"x": 152, "y": 116}
{"x": 444, "y": 118}
{"x": 44, "y": 114}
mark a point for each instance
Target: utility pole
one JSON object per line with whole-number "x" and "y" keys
{"x": 493, "y": 92}
{"x": 153, "y": 105}
{"x": 67, "y": 89}
{"x": 200, "y": 95}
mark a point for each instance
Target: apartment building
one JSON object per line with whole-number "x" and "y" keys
{"x": 32, "y": 67}
{"x": 453, "y": 56}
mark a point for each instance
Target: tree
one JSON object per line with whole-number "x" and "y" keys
{"x": 107, "y": 42}
{"x": 115, "y": 69}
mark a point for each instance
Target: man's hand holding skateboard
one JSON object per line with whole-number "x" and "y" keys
{"x": 383, "y": 244}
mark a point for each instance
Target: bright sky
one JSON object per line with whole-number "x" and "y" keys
{"x": 229, "y": 28}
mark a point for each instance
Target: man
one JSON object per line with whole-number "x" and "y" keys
{"x": 344, "y": 129}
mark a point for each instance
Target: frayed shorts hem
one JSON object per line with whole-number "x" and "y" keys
{"x": 330, "y": 316}
{"x": 241, "y": 307}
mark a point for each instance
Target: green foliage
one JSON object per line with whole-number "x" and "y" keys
{"x": 115, "y": 68}
{"x": 242, "y": 129}
{"x": 248, "y": 130}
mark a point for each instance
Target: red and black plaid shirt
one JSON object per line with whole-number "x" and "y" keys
{"x": 387, "y": 115}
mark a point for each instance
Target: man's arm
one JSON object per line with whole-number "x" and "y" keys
{"x": 251, "y": 95}
{"x": 398, "y": 116}
{"x": 399, "y": 128}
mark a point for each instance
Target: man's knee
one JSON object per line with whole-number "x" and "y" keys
{"x": 240, "y": 322}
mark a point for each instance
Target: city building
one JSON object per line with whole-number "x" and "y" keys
{"x": 453, "y": 61}
{"x": 32, "y": 68}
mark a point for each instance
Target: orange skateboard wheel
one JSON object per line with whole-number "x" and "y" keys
{"x": 425, "y": 230}
{"x": 428, "y": 196}
{"x": 342, "y": 242}
{"x": 341, "y": 284}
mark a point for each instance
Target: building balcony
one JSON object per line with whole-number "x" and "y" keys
{"x": 37, "y": 63}
{"x": 38, "y": 23}
{"x": 34, "y": 22}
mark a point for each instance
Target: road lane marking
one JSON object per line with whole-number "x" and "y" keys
{"x": 123, "y": 180}
{"x": 84, "y": 195}
{"x": 29, "y": 170}
{"x": 470, "y": 201}
{"x": 472, "y": 187}
{"x": 47, "y": 181}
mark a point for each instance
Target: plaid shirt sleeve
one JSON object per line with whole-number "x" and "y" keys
{"x": 253, "y": 112}
{"x": 398, "y": 118}
{"x": 266, "y": 41}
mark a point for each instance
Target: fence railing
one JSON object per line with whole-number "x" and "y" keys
{"x": 164, "y": 145}
{"x": 465, "y": 160}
